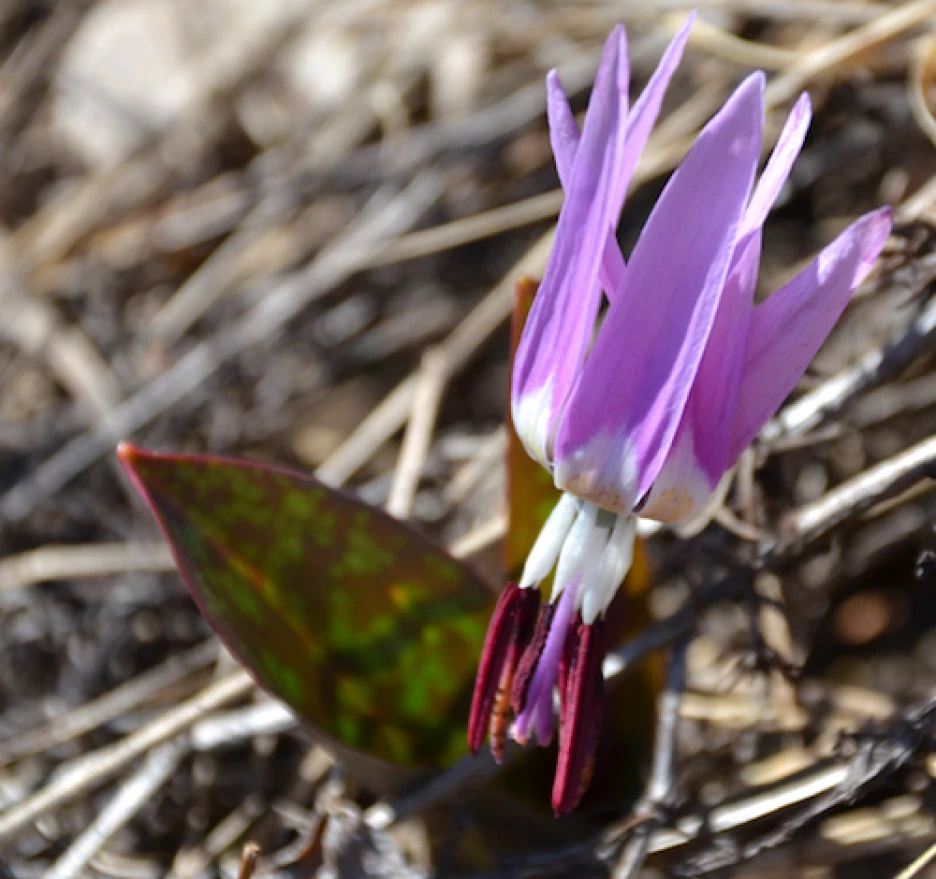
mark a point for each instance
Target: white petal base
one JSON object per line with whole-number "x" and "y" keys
{"x": 533, "y": 420}
{"x": 613, "y": 565}
{"x": 603, "y": 472}
{"x": 683, "y": 487}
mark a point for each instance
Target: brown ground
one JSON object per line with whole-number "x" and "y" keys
{"x": 380, "y": 171}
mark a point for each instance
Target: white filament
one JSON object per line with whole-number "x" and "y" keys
{"x": 542, "y": 557}
{"x": 582, "y": 549}
{"x": 610, "y": 571}
{"x": 584, "y": 544}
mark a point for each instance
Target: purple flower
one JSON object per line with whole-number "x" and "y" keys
{"x": 682, "y": 375}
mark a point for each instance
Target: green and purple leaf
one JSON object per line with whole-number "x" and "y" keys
{"x": 365, "y": 628}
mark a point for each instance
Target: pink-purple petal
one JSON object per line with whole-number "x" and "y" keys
{"x": 698, "y": 456}
{"x": 790, "y": 326}
{"x": 700, "y": 451}
{"x": 564, "y": 134}
{"x": 563, "y": 129}
{"x": 622, "y": 417}
{"x": 647, "y": 107}
{"x": 564, "y": 137}
{"x": 778, "y": 167}
{"x": 558, "y": 331}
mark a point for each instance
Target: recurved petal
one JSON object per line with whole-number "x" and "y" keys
{"x": 647, "y": 107}
{"x": 778, "y": 167}
{"x": 564, "y": 134}
{"x": 558, "y": 330}
{"x": 564, "y": 137}
{"x": 620, "y": 422}
{"x": 790, "y": 326}
{"x": 699, "y": 454}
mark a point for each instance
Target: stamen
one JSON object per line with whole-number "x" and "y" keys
{"x": 533, "y": 692}
{"x": 582, "y": 703}
{"x": 526, "y": 671}
{"x": 566, "y": 663}
{"x": 582, "y": 547}
{"x": 542, "y": 557}
{"x": 507, "y": 635}
{"x": 612, "y": 568}
{"x": 530, "y": 647}
{"x": 500, "y": 715}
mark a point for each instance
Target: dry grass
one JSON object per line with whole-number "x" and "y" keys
{"x": 291, "y": 230}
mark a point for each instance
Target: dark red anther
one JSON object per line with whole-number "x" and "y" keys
{"x": 507, "y": 635}
{"x": 524, "y": 619}
{"x": 530, "y": 658}
{"x": 581, "y": 690}
{"x": 566, "y": 661}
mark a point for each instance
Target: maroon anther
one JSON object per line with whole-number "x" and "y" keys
{"x": 507, "y": 636}
{"x": 566, "y": 662}
{"x": 581, "y": 702}
{"x": 531, "y": 657}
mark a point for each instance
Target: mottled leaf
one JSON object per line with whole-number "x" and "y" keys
{"x": 360, "y": 624}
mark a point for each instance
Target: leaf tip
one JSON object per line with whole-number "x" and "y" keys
{"x": 125, "y": 451}
{"x": 130, "y": 456}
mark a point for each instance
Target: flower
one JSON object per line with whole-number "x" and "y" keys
{"x": 684, "y": 372}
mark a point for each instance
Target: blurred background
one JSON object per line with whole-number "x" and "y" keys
{"x": 277, "y": 229}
